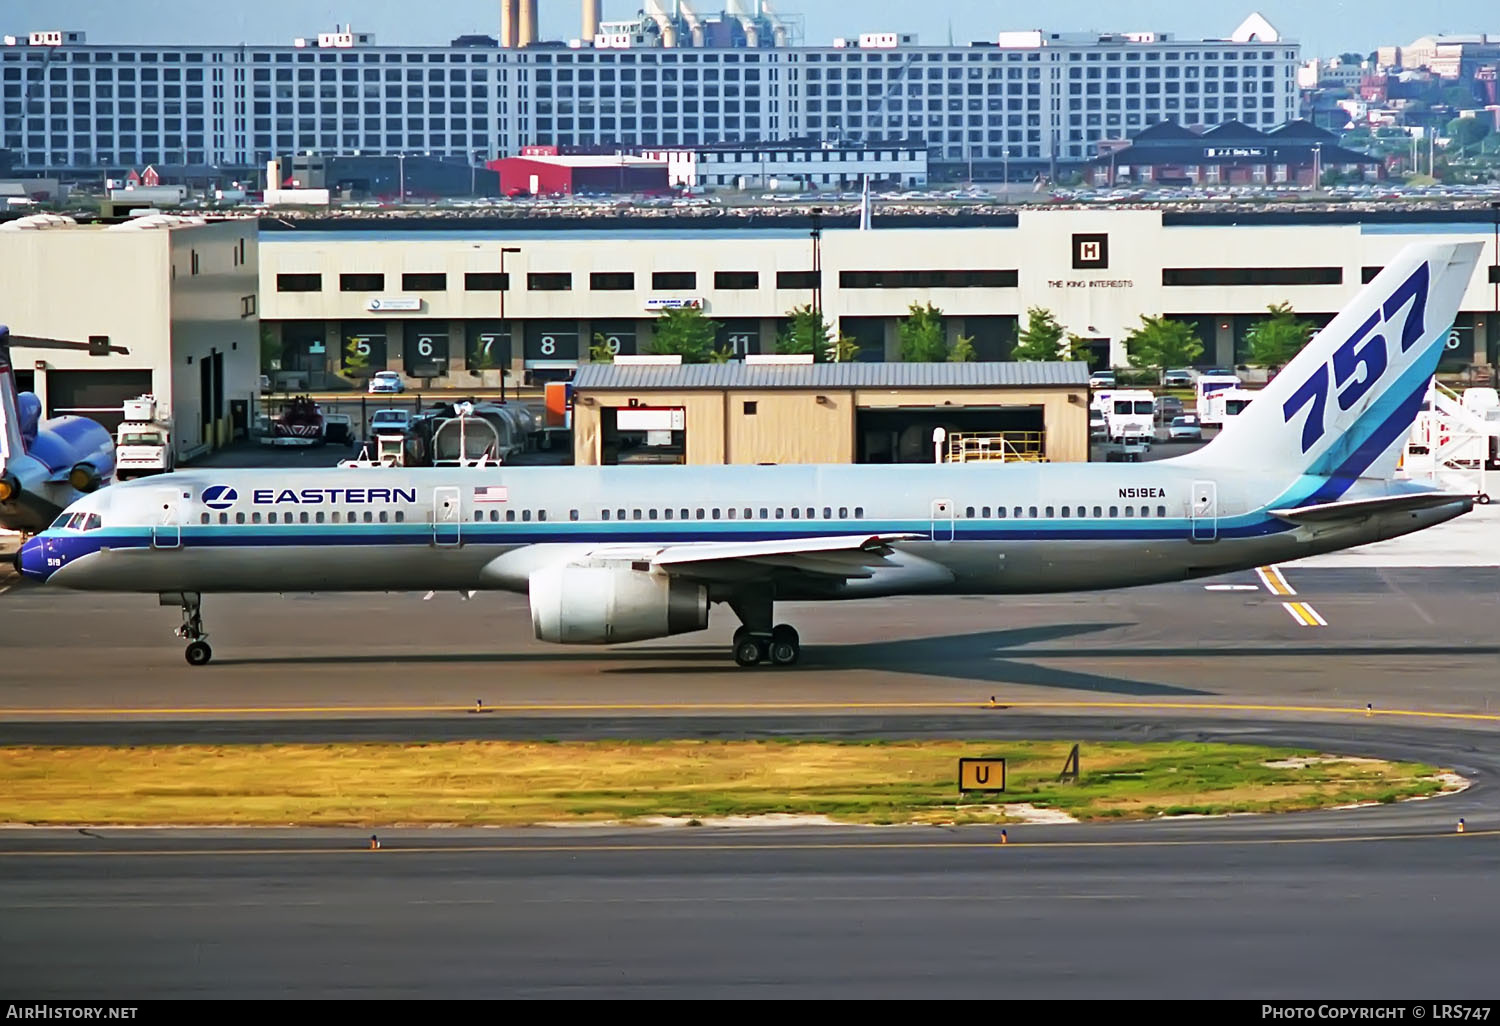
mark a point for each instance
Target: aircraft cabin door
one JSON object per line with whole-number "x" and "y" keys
{"x": 942, "y": 520}
{"x": 166, "y": 522}
{"x": 1205, "y": 511}
{"x": 447, "y": 516}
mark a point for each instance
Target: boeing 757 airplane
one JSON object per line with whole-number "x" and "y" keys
{"x": 619, "y": 554}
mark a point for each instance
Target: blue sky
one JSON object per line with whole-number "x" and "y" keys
{"x": 1323, "y": 26}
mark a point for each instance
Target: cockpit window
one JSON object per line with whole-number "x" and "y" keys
{"x": 75, "y": 522}
{"x": 93, "y": 522}
{"x": 61, "y": 522}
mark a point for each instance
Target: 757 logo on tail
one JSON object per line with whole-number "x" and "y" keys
{"x": 1362, "y": 359}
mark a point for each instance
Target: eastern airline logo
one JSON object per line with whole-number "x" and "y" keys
{"x": 220, "y": 497}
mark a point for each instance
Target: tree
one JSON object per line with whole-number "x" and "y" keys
{"x": 963, "y": 350}
{"x": 806, "y": 332}
{"x": 687, "y": 333}
{"x": 1274, "y": 341}
{"x": 356, "y": 356}
{"x": 270, "y": 349}
{"x": 1465, "y": 132}
{"x": 601, "y": 351}
{"x": 922, "y": 336}
{"x": 1078, "y": 349}
{"x": 1159, "y": 343}
{"x": 1350, "y": 58}
{"x": 1041, "y": 339}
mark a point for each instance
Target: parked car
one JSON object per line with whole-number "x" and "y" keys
{"x": 385, "y": 381}
{"x": 1184, "y": 429}
{"x": 1168, "y": 407}
{"x": 1180, "y": 377}
{"x": 1097, "y": 426}
{"x": 1102, "y": 379}
{"x": 390, "y": 422}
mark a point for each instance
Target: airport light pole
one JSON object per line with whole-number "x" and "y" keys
{"x": 504, "y": 288}
{"x": 1494, "y": 328}
{"x": 817, "y": 241}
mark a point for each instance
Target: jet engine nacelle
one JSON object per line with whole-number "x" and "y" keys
{"x": 587, "y": 605}
{"x": 85, "y": 477}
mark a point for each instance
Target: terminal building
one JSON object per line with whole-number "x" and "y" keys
{"x": 459, "y": 308}
{"x": 169, "y": 305}
{"x": 1019, "y": 104}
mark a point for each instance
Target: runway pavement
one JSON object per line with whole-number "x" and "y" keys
{"x": 1110, "y": 913}
{"x": 1387, "y": 901}
{"x": 1403, "y": 638}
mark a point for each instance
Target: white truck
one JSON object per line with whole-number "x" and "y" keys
{"x": 1130, "y": 413}
{"x": 143, "y": 442}
{"x": 1222, "y": 405}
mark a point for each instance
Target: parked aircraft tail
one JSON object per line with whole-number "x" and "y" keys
{"x": 11, "y": 445}
{"x": 1342, "y": 408}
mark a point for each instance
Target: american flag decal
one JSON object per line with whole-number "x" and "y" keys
{"x": 489, "y": 493}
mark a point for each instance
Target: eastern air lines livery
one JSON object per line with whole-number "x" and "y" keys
{"x": 619, "y": 554}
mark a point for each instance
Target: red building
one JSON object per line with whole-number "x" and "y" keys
{"x": 546, "y": 173}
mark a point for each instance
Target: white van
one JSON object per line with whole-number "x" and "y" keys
{"x": 1208, "y": 384}
{"x": 1224, "y": 405}
{"x": 1131, "y": 413}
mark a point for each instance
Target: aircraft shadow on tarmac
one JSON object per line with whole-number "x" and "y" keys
{"x": 977, "y": 656}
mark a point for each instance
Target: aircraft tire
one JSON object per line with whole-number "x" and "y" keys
{"x": 750, "y": 652}
{"x": 198, "y": 653}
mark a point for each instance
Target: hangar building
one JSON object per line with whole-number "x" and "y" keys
{"x": 784, "y": 412}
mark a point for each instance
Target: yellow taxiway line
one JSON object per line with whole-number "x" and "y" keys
{"x": 1304, "y": 614}
{"x": 753, "y": 707}
{"x": 1275, "y": 583}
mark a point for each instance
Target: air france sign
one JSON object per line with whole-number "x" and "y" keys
{"x": 658, "y": 303}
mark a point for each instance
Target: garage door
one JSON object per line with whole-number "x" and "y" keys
{"x": 904, "y": 434}
{"x": 99, "y": 395}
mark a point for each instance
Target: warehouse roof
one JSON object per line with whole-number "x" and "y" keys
{"x": 619, "y": 377}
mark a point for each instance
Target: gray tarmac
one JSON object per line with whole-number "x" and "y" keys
{"x": 1395, "y": 638}
{"x": 1380, "y": 902}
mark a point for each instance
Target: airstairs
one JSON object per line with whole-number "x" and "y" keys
{"x": 1455, "y": 441}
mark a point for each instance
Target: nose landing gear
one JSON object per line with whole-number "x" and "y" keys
{"x": 198, "y": 651}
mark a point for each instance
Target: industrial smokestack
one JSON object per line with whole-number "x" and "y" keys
{"x": 508, "y": 23}
{"x": 526, "y": 24}
{"x": 590, "y": 20}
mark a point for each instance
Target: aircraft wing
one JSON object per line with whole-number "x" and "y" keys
{"x": 834, "y": 556}
{"x": 1328, "y": 512}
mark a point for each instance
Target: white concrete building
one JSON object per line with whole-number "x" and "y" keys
{"x": 179, "y": 296}
{"x": 1019, "y": 104}
{"x": 810, "y": 166}
{"x": 421, "y": 299}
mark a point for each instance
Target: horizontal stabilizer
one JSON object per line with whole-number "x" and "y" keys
{"x": 1354, "y": 508}
{"x": 698, "y": 552}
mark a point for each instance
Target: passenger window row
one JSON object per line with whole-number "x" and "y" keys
{"x": 304, "y": 517}
{"x": 510, "y": 515}
{"x": 1051, "y": 512}
{"x": 727, "y": 513}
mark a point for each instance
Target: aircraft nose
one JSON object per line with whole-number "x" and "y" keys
{"x": 30, "y": 561}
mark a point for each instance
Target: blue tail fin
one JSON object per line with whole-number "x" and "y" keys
{"x": 1341, "y": 408}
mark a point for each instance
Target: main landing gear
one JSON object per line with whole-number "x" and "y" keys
{"x": 781, "y": 648}
{"x": 757, "y": 643}
{"x": 198, "y": 652}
